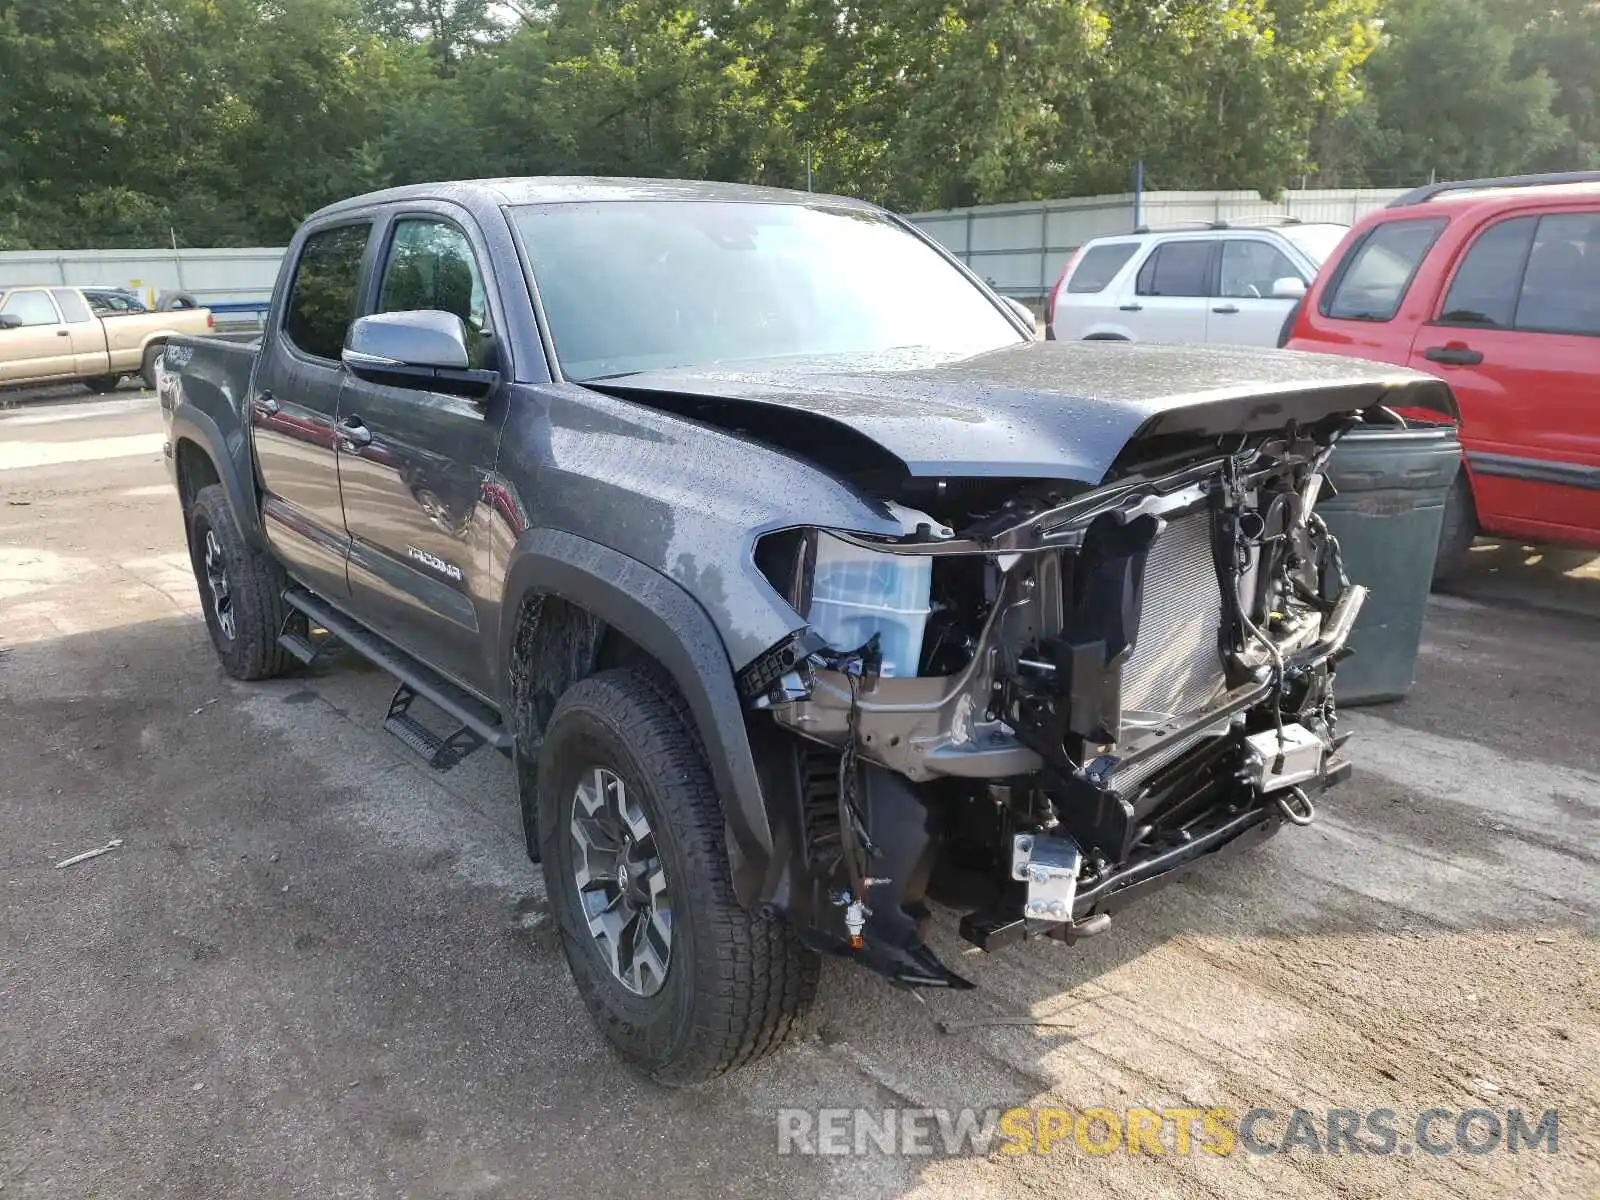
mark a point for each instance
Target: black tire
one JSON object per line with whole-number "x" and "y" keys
{"x": 166, "y": 301}
{"x": 101, "y": 385}
{"x": 147, "y": 365}
{"x": 1457, "y": 532}
{"x": 735, "y": 985}
{"x": 250, "y": 599}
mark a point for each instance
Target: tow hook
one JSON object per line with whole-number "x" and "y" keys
{"x": 1306, "y": 813}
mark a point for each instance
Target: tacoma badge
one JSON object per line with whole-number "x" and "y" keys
{"x": 434, "y": 562}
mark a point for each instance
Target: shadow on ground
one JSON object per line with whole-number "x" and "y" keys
{"x": 316, "y": 967}
{"x": 1531, "y": 576}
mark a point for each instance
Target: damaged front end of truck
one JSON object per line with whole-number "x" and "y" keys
{"x": 1066, "y": 699}
{"x": 1089, "y": 643}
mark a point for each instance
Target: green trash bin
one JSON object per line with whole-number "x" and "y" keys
{"x": 1389, "y": 489}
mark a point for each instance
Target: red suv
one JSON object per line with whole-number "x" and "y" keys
{"x": 1494, "y": 286}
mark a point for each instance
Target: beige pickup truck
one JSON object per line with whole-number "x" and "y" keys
{"x": 53, "y": 335}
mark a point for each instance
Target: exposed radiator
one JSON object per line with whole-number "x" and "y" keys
{"x": 1175, "y": 667}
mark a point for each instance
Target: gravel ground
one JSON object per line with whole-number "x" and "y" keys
{"x": 316, "y": 968}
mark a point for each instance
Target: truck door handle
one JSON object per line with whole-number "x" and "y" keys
{"x": 355, "y": 432}
{"x": 1455, "y": 356}
{"x": 266, "y": 404}
{"x": 1131, "y": 307}
{"x": 63, "y": 333}
{"x": 1226, "y": 309}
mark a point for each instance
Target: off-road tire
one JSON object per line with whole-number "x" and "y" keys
{"x": 167, "y": 301}
{"x": 255, "y": 586}
{"x": 147, "y": 365}
{"x": 1460, "y": 527}
{"x": 736, "y": 985}
{"x": 100, "y": 385}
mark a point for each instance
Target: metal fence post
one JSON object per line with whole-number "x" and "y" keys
{"x": 1044, "y": 246}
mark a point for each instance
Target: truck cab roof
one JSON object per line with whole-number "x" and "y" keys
{"x": 556, "y": 189}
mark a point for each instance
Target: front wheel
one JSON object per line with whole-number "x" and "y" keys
{"x": 241, "y": 590}
{"x": 682, "y": 981}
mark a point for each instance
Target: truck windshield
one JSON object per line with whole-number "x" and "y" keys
{"x": 633, "y": 286}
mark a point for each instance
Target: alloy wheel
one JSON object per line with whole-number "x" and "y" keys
{"x": 621, "y": 881}
{"x": 217, "y": 581}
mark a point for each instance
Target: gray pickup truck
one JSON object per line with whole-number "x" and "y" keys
{"x": 801, "y": 583}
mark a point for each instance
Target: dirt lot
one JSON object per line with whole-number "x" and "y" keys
{"x": 316, "y": 968}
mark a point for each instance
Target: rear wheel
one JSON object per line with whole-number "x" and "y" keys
{"x": 1460, "y": 527}
{"x": 147, "y": 366}
{"x": 241, "y": 590}
{"x": 681, "y": 980}
{"x": 102, "y": 384}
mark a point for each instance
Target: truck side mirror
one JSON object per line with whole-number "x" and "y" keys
{"x": 1288, "y": 288}
{"x": 10, "y": 321}
{"x": 424, "y": 349}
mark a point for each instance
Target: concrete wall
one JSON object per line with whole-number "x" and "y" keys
{"x": 211, "y": 276}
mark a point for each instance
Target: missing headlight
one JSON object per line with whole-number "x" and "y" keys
{"x": 848, "y": 593}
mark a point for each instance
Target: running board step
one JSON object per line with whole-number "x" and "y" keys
{"x": 300, "y": 639}
{"x": 478, "y": 725}
{"x": 299, "y": 647}
{"x": 441, "y": 753}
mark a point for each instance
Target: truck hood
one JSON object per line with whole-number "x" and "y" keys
{"x": 1042, "y": 410}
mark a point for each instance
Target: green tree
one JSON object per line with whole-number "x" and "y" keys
{"x": 227, "y": 121}
{"x": 1448, "y": 93}
{"x": 1222, "y": 95}
{"x": 1562, "y": 40}
{"x": 450, "y": 29}
{"x": 61, "y": 122}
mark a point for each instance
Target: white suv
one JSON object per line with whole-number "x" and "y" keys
{"x": 1221, "y": 282}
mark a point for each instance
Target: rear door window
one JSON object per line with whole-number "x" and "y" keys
{"x": 322, "y": 298}
{"x": 1099, "y": 266}
{"x": 34, "y": 308}
{"x": 1485, "y": 287}
{"x": 1561, "y": 286}
{"x": 1373, "y": 278}
{"x": 72, "y": 306}
{"x": 1176, "y": 269}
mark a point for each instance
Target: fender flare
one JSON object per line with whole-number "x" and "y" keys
{"x": 190, "y": 423}
{"x": 657, "y": 614}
